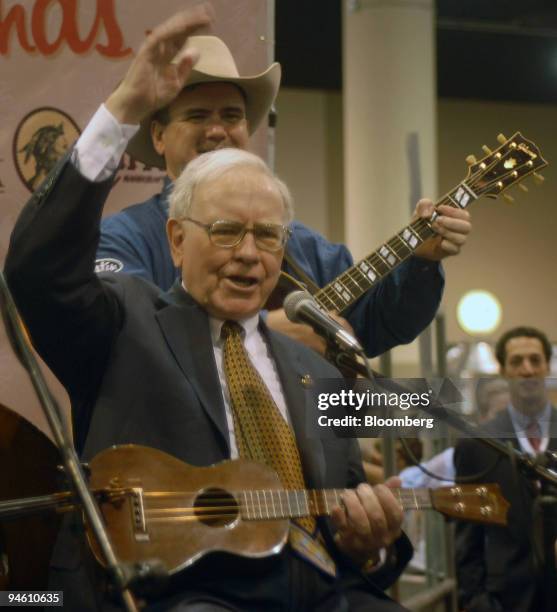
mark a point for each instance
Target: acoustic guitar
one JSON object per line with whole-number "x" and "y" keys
{"x": 514, "y": 160}
{"x": 156, "y": 506}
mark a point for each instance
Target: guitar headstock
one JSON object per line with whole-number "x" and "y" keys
{"x": 481, "y": 503}
{"x": 515, "y": 159}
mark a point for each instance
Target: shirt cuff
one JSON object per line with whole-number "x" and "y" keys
{"x": 99, "y": 149}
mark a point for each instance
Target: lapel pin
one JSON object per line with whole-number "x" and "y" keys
{"x": 307, "y": 381}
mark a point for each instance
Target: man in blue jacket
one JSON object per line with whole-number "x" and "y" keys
{"x": 218, "y": 108}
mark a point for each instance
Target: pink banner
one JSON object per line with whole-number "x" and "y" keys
{"x": 59, "y": 59}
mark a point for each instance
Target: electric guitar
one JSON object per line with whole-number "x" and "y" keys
{"x": 156, "y": 506}
{"x": 514, "y": 160}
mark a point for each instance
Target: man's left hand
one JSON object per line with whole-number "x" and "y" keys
{"x": 370, "y": 520}
{"x": 452, "y": 227}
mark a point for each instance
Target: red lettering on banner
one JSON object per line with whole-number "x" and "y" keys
{"x": 69, "y": 30}
{"x": 16, "y": 15}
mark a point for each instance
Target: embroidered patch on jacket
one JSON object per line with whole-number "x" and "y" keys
{"x": 108, "y": 264}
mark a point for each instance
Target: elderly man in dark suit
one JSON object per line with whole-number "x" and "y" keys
{"x": 157, "y": 369}
{"x": 495, "y": 565}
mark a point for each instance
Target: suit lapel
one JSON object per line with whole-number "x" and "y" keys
{"x": 185, "y": 326}
{"x": 291, "y": 372}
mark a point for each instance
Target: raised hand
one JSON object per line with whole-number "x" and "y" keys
{"x": 161, "y": 67}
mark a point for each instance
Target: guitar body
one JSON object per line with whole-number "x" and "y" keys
{"x": 29, "y": 461}
{"x": 160, "y": 520}
{"x": 156, "y": 507}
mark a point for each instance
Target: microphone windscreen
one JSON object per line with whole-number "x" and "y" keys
{"x": 291, "y": 303}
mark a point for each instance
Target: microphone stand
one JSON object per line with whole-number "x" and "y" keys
{"x": 120, "y": 574}
{"x": 541, "y": 469}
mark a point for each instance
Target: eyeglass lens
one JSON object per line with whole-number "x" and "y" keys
{"x": 228, "y": 233}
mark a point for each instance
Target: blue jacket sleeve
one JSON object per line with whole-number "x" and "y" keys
{"x": 393, "y": 312}
{"x": 134, "y": 241}
{"x": 119, "y": 249}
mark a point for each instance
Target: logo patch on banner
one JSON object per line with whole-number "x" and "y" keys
{"x": 40, "y": 140}
{"x": 108, "y": 264}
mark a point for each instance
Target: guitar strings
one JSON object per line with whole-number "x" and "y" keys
{"x": 257, "y": 509}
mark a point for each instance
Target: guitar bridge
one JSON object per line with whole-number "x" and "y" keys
{"x": 138, "y": 515}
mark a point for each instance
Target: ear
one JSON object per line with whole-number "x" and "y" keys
{"x": 175, "y": 233}
{"x": 157, "y": 132}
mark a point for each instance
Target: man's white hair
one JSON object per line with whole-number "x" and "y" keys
{"x": 210, "y": 166}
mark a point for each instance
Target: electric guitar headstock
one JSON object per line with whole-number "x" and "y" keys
{"x": 515, "y": 159}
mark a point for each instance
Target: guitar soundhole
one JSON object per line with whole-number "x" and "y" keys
{"x": 216, "y": 507}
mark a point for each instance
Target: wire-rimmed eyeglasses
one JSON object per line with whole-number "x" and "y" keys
{"x": 228, "y": 234}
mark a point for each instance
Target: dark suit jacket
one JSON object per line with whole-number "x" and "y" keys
{"x": 495, "y": 566}
{"x": 138, "y": 364}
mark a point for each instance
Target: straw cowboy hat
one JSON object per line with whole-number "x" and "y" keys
{"x": 215, "y": 65}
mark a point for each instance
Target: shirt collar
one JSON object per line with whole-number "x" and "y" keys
{"x": 249, "y": 325}
{"x": 522, "y": 421}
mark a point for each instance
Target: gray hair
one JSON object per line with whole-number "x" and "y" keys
{"x": 212, "y": 165}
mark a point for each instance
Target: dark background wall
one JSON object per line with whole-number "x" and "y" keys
{"x": 486, "y": 49}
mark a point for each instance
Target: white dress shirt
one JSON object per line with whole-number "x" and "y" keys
{"x": 100, "y": 147}
{"x": 521, "y": 422}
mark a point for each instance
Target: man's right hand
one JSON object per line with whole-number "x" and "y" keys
{"x": 161, "y": 67}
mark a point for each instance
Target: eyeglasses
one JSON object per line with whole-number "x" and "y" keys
{"x": 228, "y": 234}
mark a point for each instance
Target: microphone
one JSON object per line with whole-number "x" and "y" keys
{"x": 300, "y": 307}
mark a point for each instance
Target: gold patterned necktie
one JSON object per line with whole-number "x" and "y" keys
{"x": 263, "y": 435}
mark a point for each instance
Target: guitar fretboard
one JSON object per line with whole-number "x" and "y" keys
{"x": 282, "y": 503}
{"x": 342, "y": 292}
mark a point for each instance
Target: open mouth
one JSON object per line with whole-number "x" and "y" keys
{"x": 243, "y": 281}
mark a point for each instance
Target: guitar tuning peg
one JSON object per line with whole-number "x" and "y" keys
{"x": 486, "y": 150}
{"x": 538, "y": 178}
{"x": 509, "y": 198}
{"x": 523, "y": 187}
{"x": 501, "y": 138}
{"x": 471, "y": 159}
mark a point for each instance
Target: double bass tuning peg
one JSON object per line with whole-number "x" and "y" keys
{"x": 501, "y": 138}
{"x": 508, "y": 198}
{"x": 471, "y": 160}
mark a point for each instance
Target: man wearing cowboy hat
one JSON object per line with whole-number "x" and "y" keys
{"x": 217, "y": 108}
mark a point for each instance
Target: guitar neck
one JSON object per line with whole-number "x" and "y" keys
{"x": 347, "y": 288}
{"x": 282, "y": 503}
